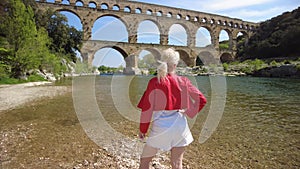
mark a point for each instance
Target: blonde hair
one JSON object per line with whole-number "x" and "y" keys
{"x": 169, "y": 57}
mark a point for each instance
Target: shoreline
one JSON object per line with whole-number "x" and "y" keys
{"x": 16, "y": 95}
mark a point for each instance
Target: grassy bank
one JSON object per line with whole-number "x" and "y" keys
{"x": 31, "y": 78}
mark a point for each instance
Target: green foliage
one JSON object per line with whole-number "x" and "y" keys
{"x": 225, "y": 66}
{"x": 21, "y": 33}
{"x": 31, "y": 78}
{"x": 277, "y": 37}
{"x": 224, "y": 45}
{"x": 105, "y": 69}
{"x": 273, "y": 63}
{"x": 3, "y": 71}
{"x": 65, "y": 39}
{"x": 35, "y": 78}
{"x": 152, "y": 71}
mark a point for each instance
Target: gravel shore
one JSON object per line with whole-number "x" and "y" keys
{"x": 12, "y": 96}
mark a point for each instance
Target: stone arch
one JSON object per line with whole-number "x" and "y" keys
{"x": 116, "y": 17}
{"x": 115, "y": 47}
{"x": 155, "y": 53}
{"x": 185, "y": 59}
{"x": 149, "y": 12}
{"x": 116, "y": 7}
{"x": 104, "y": 6}
{"x": 138, "y": 11}
{"x": 92, "y": 4}
{"x": 69, "y": 10}
{"x": 199, "y": 37}
{"x": 226, "y": 57}
{"x": 199, "y": 62}
{"x": 207, "y": 58}
{"x": 79, "y": 3}
{"x": 156, "y": 24}
{"x": 186, "y": 31}
{"x": 237, "y": 34}
{"x": 127, "y": 9}
{"x": 75, "y": 14}
{"x": 230, "y": 38}
{"x": 65, "y": 2}
{"x": 159, "y": 13}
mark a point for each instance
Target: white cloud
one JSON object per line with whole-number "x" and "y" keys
{"x": 258, "y": 15}
{"x": 220, "y": 5}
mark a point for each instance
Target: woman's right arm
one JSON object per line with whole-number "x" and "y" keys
{"x": 146, "y": 107}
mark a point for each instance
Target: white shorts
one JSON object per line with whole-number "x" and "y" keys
{"x": 169, "y": 129}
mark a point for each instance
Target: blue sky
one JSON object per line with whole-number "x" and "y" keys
{"x": 248, "y": 10}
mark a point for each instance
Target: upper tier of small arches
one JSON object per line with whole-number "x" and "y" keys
{"x": 159, "y": 11}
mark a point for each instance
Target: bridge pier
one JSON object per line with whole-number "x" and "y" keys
{"x": 131, "y": 65}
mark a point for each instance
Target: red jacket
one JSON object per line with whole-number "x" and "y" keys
{"x": 174, "y": 93}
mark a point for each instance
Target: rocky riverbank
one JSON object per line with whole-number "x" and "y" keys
{"x": 33, "y": 135}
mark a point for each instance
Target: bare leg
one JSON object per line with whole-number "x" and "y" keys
{"x": 147, "y": 155}
{"x": 176, "y": 157}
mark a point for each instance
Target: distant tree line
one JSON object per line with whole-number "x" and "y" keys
{"x": 34, "y": 40}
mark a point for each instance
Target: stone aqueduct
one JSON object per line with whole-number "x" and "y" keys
{"x": 132, "y": 13}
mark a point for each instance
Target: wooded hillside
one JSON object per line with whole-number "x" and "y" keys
{"x": 277, "y": 38}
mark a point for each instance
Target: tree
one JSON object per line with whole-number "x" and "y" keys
{"x": 27, "y": 45}
{"x": 65, "y": 39}
{"x": 20, "y": 32}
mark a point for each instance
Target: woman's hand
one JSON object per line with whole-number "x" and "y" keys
{"x": 142, "y": 136}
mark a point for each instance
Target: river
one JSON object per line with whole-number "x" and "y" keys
{"x": 259, "y": 127}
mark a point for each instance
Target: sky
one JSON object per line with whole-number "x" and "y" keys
{"x": 247, "y": 10}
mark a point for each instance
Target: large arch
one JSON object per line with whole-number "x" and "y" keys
{"x": 108, "y": 53}
{"x": 178, "y": 35}
{"x": 153, "y": 56}
{"x": 148, "y": 32}
{"x": 71, "y": 11}
{"x": 203, "y": 37}
{"x": 110, "y": 28}
{"x": 225, "y": 39}
{"x": 184, "y": 59}
{"x": 75, "y": 22}
{"x": 226, "y": 58}
{"x": 207, "y": 58}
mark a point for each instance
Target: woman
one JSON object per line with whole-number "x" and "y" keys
{"x": 166, "y": 101}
